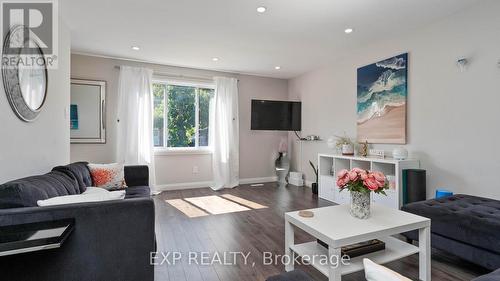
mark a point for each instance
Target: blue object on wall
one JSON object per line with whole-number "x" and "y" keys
{"x": 74, "y": 117}
{"x": 443, "y": 193}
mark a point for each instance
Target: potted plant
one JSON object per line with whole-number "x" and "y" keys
{"x": 345, "y": 145}
{"x": 361, "y": 183}
{"x": 314, "y": 185}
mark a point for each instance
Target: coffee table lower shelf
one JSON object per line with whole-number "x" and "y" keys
{"x": 394, "y": 249}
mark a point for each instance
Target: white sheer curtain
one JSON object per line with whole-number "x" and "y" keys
{"x": 224, "y": 134}
{"x": 135, "y": 119}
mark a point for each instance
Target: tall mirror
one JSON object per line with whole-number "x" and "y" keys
{"x": 88, "y": 111}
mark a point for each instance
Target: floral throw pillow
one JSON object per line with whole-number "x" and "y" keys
{"x": 108, "y": 176}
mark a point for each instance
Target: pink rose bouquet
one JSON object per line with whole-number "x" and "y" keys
{"x": 362, "y": 181}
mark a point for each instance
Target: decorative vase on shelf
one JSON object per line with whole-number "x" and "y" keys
{"x": 347, "y": 149}
{"x": 360, "y": 204}
{"x": 331, "y": 142}
{"x": 400, "y": 153}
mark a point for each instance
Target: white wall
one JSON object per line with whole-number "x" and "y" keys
{"x": 453, "y": 117}
{"x": 257, "y": 149}
{"x": 33, "y": 148}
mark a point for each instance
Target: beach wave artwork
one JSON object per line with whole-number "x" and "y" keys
{"x": 381, "y": 101}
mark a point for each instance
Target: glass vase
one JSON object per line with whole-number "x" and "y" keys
{"x": 360, "y": 204}
{"x": 282, "y": 165}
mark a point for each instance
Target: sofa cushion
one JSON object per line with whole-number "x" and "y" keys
{"x": 92, "y": 194}
{"x": 108, "y": 176}
{"x": 27, "y": 191}
{"x": 137, "y": 192}
{"x": 469, "y": 219}
{"x": 79, "y": 171}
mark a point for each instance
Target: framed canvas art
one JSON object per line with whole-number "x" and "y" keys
{"x": 381, "y": 101}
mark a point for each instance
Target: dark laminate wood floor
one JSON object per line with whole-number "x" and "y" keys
{"x": 258, "y": 231}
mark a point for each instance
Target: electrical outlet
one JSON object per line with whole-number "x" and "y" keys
{"x": 196, "y": 170}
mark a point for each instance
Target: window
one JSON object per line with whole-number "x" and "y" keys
{"x": 181, "y": 115}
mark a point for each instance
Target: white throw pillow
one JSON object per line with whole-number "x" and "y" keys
{"x": 376, "y": 272}
{"x": 95, "y": 190}
{"x": 108, "y": 176}
{"x": 92, "y": 194}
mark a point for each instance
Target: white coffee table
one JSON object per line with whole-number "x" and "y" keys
{"x": 337, "y": 228}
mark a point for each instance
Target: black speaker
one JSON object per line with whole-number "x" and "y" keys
{"x": 414, "y": 185}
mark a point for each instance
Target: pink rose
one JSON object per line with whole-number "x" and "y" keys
{"x": 378, "y": 176}
{"x": 342, "y": 173}
{"x": 381, "y": 184}
{"x": 353, "y": 175}
{"x": 371, "y": 184}
{"x": 358, "y": 170}
{"x": 363, "y": 175}
{"x": 342, "y": 178}
{"x": 341, "y": 183}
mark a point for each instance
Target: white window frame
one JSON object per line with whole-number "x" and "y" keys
{"x": 165, "y": 150}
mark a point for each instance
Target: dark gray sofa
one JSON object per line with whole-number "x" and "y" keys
{"x": 112, "y": 240}
{"x": 466, "y": 226}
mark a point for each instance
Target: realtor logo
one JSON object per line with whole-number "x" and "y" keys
{"x": 27, "y": 28}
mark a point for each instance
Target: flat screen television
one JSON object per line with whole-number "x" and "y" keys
{"x": 276, "y": 115}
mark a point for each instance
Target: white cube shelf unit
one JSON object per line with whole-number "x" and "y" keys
{"x": 330, "y": 165}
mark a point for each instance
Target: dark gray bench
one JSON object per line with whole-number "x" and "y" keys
{"x": 494, "y": 276}
{"x": 463, "y": 225}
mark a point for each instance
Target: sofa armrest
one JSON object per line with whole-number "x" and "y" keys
{"x": 137, "y": 175}
{"x": 112, "y": 240}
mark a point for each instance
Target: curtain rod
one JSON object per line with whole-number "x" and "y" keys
{"x": 181, "y": 76}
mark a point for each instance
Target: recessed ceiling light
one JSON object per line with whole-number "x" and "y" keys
{"x": 261, "y": 9}
{"x": 277, "y": 67}
{"x": 215, "y": 59}
{"x": 135, "y": 48}
{"x": 348, "y": 30}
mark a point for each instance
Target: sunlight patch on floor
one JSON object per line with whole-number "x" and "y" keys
{"x": 188, "y": 209}
{"x": 244, "y": 202}
{"x": 216, "y": 205}
{"x": 194, "y": 207}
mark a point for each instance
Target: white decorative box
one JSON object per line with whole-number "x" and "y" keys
{"x": 296, "y": 181}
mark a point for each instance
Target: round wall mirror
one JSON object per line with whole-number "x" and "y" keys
{"x": 25, "y": 81}
{"x": 33, "y": 84}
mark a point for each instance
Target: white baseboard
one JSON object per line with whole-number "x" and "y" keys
{"x": 183, "y": 185}
{"x": 258, "y": 180}
{"x": 203, "y": 184}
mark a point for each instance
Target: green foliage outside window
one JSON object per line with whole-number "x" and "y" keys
{"x": 181, "y": 116}
{"x": 180, "y": 110}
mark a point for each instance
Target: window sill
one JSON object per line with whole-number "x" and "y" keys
{"x": 181, "y": 151}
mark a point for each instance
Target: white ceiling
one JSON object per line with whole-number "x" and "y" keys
{"x": 298, "y": 35}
